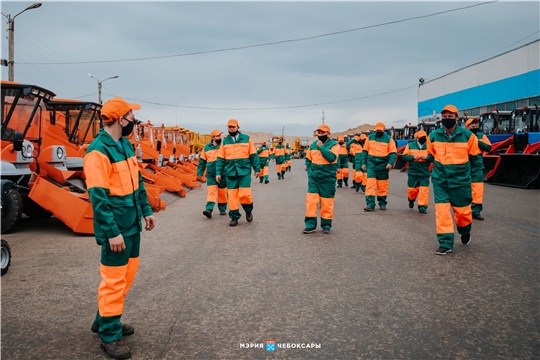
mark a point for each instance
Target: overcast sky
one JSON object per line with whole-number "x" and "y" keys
{"x": 326, "y": 69}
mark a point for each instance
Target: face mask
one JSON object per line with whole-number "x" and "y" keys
{"x": 280, "y": 143}
{"x": 449, "y": 123}
{"x": 379, "y": 133}
{"x": 475, "y": 130}
{"x": 218, "y": 141}
{"x": 126, "y": 130}
{"x": 422, "y": 140}
{"x": 341, "y": 143}
{"x": 323, "y": 138}
{"x": 362, "y": 142}
{"x": 233, "y": 133}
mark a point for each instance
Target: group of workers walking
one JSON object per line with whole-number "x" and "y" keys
{"x": 119, "y": 200}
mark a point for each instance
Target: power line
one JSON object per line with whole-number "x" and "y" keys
{"x": 268, "y": 43}
{"x": 506, "y": 47}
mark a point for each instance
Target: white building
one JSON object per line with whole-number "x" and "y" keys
{"x": 506, "y": 82}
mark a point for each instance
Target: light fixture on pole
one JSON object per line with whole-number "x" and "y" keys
{"x": 99, "y": 85}
{"x": 11, "y": 40}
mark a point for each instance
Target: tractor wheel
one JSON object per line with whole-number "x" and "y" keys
{"x": 34, "y": 210}
{"x": 12, "y": 206}
{"x": 5, "y": 257}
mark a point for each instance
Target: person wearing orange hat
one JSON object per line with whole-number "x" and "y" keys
{"x": 321, "y": 165}
{"x": 207, "y": 163}
{"x": 343, "y": 163}
{"x": 453, "y": 150}
{"x": 415, "y": 154}
{"x": 477, "y": 171}
{"x": 361, "y": 176}
{"x": 119, "y": 201}
{"x": 279, "y": 158}
{"x": 236, "y": 155}
{"x": 378, "y": 157}
{"x": 288, "y": 156}
{"x": 264, "y": 158}
{"x": 355, "y": 148}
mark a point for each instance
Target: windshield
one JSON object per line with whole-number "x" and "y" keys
{"x": 17, "y": 108}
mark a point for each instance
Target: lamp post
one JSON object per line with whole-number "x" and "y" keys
{"x": 99, "y": 85}
{"x": 11, "y": 40}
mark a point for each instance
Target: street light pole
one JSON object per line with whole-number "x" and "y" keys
{"x": 99, "y": 85}
{"x": 11, "y": 40}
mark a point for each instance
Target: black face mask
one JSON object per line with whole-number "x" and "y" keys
{"x": 323, "y": 138}
{"x": 218, "y": 141}
{"x": 422, "y": 140}
{"x": 280, "y": 143}
{"x": 449, "y": 123}
{"x": 362, "y": 142}
{"x": 126, "y": 130}
{"x": 379, "y": 133}
{"x": 341, "y": 143}
{"x": 233, "y": 133}
{"x": 475, "y": 130}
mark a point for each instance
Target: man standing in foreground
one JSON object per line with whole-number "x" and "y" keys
{"x": 207, "y": 161}
{"x": 119, "y": 201}
{"x": 236, "y": 155}
{"x": 321, "y": 165}
{"x": 450, "y": 147}
{"x": 477, "y": 172}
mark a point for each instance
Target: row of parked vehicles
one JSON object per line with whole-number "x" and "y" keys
{"x": 43, "y": 142}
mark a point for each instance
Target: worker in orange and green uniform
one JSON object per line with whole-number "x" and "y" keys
{"x": 356, "y": 152}
{"x": 343, "y": 163}
{"x": 450, "y": 148}
{"x": 264, "y": 157}
{"x": 236, "y": 155}
{"x": 321, "y": 165}
{"x": 378, "y": 157}
{"x": 288, "y": 157}
{"x": 415, "y": 154}
{"x": 279, "y": 157}
{"x": 363, "y": 172}
{"x": 477, "y": 172}
{"x": 207, "y": 162}
{"x": 119, "y": 201}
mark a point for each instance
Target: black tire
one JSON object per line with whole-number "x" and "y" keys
{"x": 12, "y": 206}
{"x": 5, "y": 257}
{"x": 33, "y": 210}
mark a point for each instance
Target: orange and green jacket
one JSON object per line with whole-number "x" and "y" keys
{"x": 322, "y": 162}
{"x": 288, "y": 152}
{"x": 484, "y": 145}
{"x": 378, "y": 152}
{"x": 115, "y": 187}
{"x": 356, "y": 151}
{"x": 207, "y": 160}
{"x": 452, "y": 156}
{"x": 279, "y": 154}
{"x": 264, "y": 155}
{"x": 235, "y": 158}
{"x": 417, "y": 168}
{"x": 343, "y": 157}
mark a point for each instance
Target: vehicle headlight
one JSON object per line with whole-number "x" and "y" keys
{"x": 60, "y": 153}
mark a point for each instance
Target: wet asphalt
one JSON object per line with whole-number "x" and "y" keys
{"x": 372, "y": 289}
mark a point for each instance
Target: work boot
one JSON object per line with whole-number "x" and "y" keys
{"x": 422, "y": 211}
{"x": 117, "y": 349}
{"x": 222, "y": 213}
{"x": 368, "y": 208}
{"x": 382, "y": 207}
{"x": 266, "y": 181}
{"x": 357, "y": 189}
{"x": 249, "y": 217}
{"x": 466, "y": 239}
{"x": 279, "y": 176}
{"x": 233, "y": 222}
{"x": 126, "y": 329}
{"x": 283, "y": 174}
{"x": 478, "y": 217}
{"x": 207, "y": 213}
{"x": 346, "y": 182}
{"x": 308, "y": 231}
{"x": 339, "y": 185}
{"x": 261, "y": 180}
{"x": 411, "y": 204}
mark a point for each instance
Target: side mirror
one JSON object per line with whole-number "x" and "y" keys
{"x": 18, "y": 139}
{"x": 158, "y": 146}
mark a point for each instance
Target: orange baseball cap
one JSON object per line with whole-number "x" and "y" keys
{"x": 363, "y": 137}
{"x": 232, "y": 122}
{"x": 379, "y": 126}
{"x": 117, "y": 107}
{"x": 324, "y": 128}
{"x": 470, "y": 121}
{"x": 340, "y": 138}
{"x": 215, "y": 133}
{"x": 420, "y": 134}
{"x": 450, "y": 108}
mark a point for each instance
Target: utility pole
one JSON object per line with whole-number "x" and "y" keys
{"x": 323, "y": 116}
{"x": 99, "y": 85}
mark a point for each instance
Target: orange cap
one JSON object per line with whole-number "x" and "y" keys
{"x": 117, "y": 107}
{"x": 215, "y": 133}
{"x": 450, "y": 108}
{"x": 232, "y": 122}
{"x": 470, "y": 121}
{"x": 420, "y": 134}
{"x": 324, "y": 128}
{"x": 379, "y": 126}
{"x": 363, "y": 137}
{"x": 340, "y": 138}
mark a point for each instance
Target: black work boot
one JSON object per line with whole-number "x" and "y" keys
{"x": 346, "y": 182}
{"x": 249, "y": 217}
{"x": 207, "y": 213}
{"x": 283, "y": 174}
{"x": 117, "y": 349}
{"x": 233, "y": 222}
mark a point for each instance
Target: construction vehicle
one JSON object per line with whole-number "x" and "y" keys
{"x": 5, "y": 257}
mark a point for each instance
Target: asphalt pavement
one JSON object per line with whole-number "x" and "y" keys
{"x": 372, "y": 289}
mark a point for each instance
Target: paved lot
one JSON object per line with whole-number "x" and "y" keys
{"x": 373, "y": 289}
